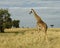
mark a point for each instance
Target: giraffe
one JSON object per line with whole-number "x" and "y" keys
{"x": 40, "y": 23}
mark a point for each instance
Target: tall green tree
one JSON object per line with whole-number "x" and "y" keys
{"x": 4, "y": 18}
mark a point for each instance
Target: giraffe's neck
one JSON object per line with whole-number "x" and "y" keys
{"x": 36, "y": 16}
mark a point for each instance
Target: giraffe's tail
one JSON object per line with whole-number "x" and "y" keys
{"x": 46, "y": 29}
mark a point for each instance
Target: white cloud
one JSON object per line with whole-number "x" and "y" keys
{"x": 29, "y": 3}
{"x": 10, "y": 4}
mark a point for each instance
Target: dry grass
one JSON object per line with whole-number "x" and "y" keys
{"x": 29, "y": 38}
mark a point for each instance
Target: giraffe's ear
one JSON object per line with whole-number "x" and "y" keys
{"x": 30, "y": 12}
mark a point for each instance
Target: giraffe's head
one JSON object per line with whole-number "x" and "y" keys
{"x": 31, "y": 11}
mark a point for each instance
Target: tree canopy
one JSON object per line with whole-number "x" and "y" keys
{"x": 6, "y": 20}
{"x": 16, "y": 23}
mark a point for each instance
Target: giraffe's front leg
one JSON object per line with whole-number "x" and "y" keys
{"x": 38, "y": 28}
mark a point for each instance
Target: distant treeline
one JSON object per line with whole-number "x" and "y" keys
{"x": 6, "y": 20}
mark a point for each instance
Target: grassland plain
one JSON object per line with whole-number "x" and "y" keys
{"x": 29, "y": 38}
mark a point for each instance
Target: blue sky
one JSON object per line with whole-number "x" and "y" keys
{"x": 48, "y": 10}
